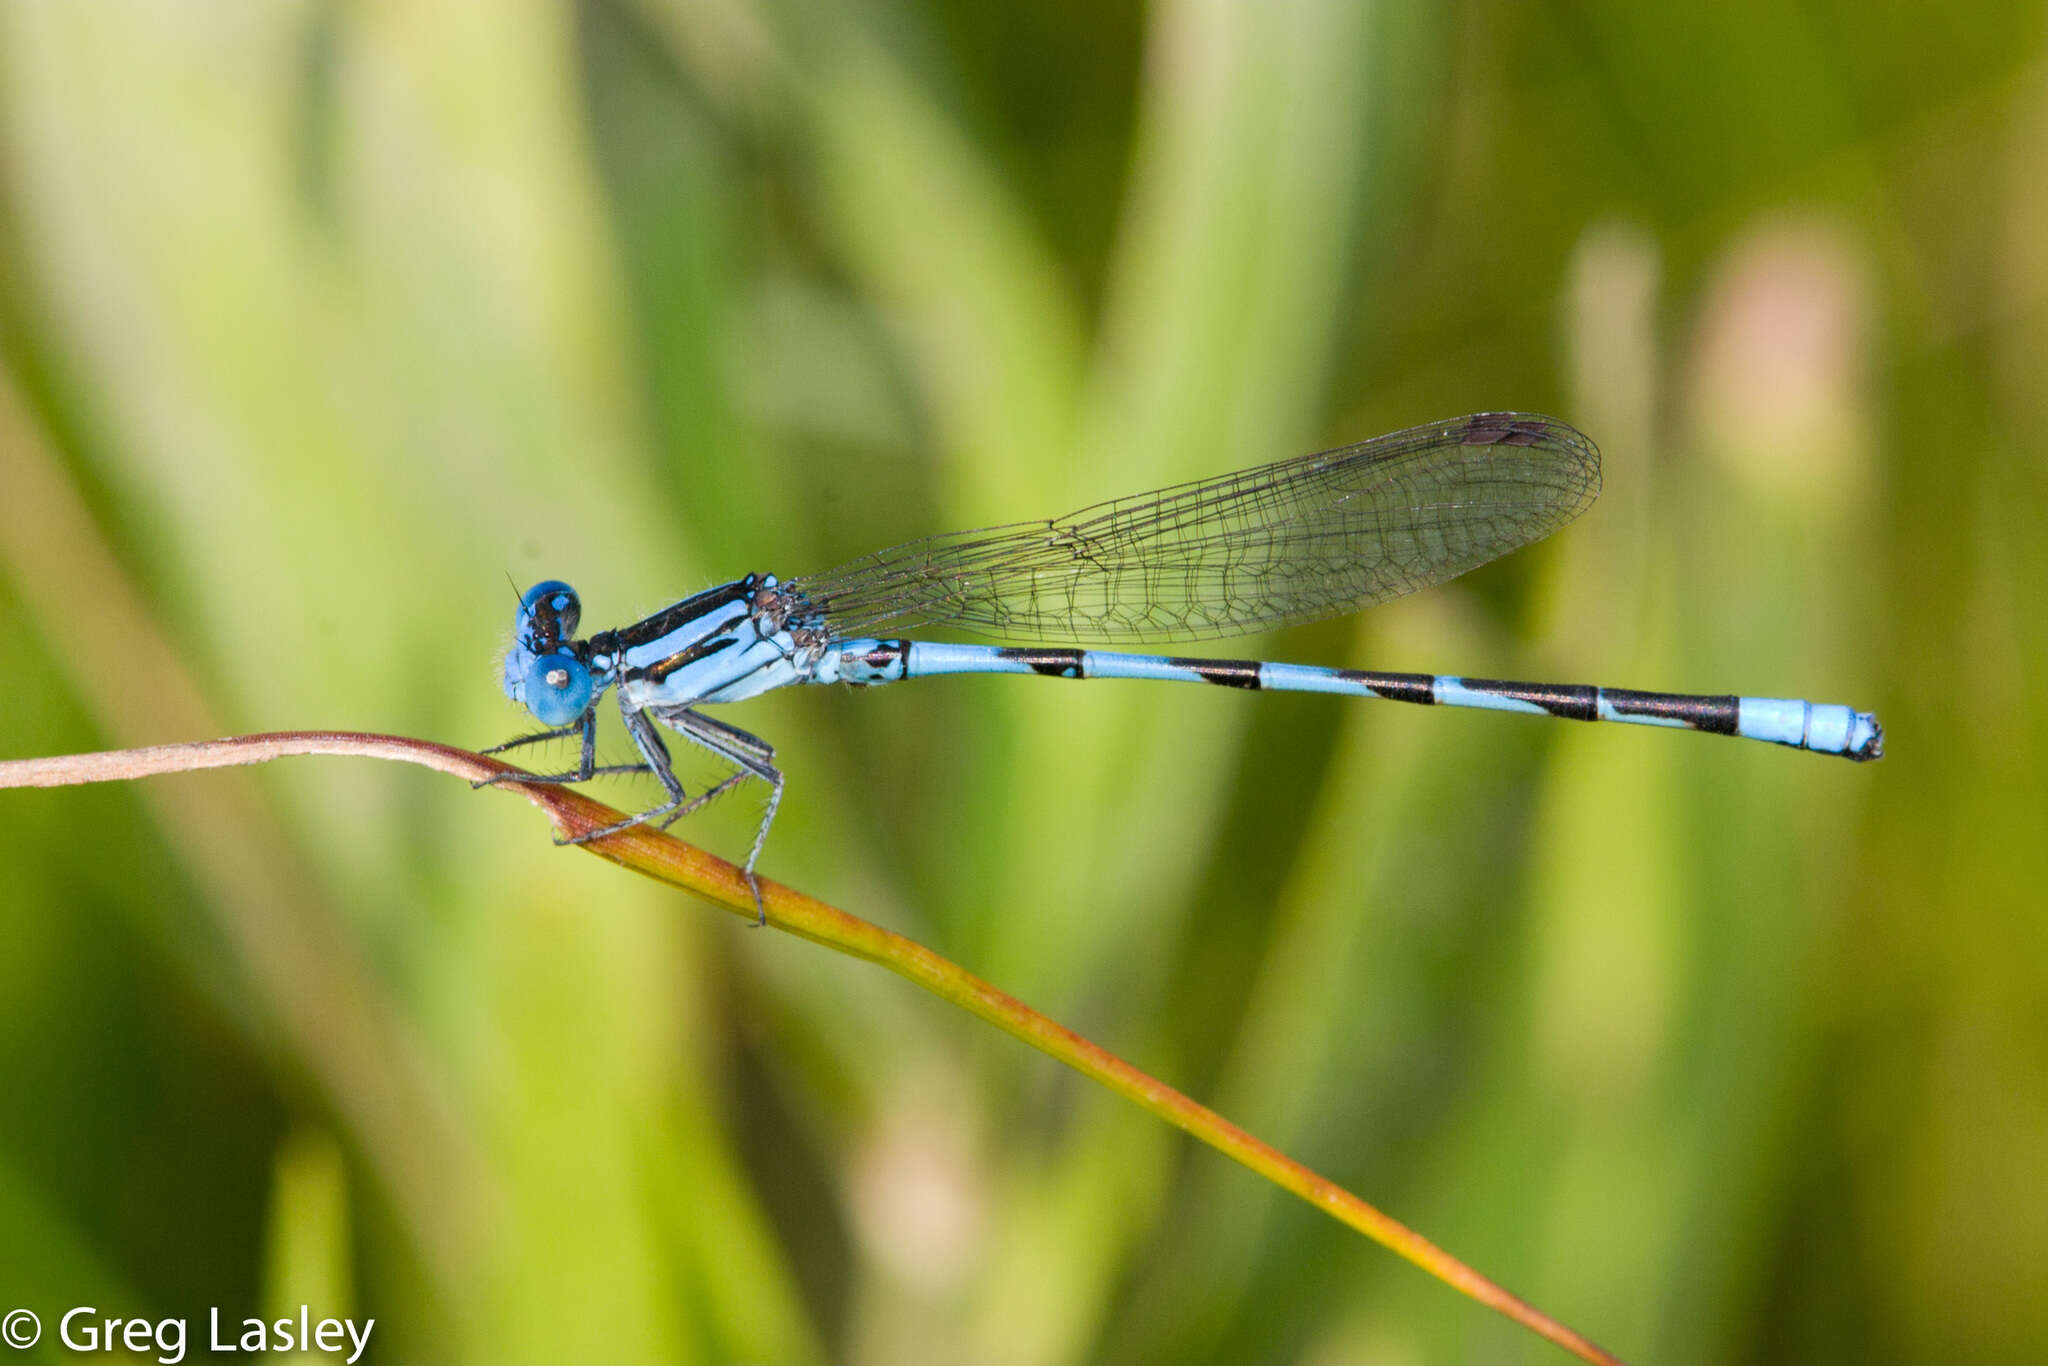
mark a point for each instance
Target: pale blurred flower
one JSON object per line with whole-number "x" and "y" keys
{"x": 918, "y": 1200}
{"x": 1777, "y": 381}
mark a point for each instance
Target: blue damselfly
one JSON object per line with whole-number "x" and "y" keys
{"x": 1295, "y": 541}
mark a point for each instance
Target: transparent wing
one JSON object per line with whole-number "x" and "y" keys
{"x": 1300, "y": 540}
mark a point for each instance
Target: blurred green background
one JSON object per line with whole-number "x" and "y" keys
{"x": 319, "y": 319}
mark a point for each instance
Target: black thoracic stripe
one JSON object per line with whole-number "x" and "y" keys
{"x": 1716, "y": 715}
{"x": 1572, "y": 701}
{"x": 1053, "y": 663}
{"x": 1499, "y": 429}
{"x": 689, "y": 654}
{"x": 1224, "y": 673}
{"x": 669, "y": 618}
{"x": 1394, "y": 687}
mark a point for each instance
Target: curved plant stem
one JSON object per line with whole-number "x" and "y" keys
{"x": 666, "y": 859}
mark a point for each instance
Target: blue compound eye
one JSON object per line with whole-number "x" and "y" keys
{"x": 557, "y": 689}
{"x": 547, "y": 615}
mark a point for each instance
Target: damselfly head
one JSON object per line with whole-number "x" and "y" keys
{"x": 547, "y": 616}
{"x": 542, "y": 670}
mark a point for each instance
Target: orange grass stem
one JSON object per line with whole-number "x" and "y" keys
{"x": 664, "y": 858}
